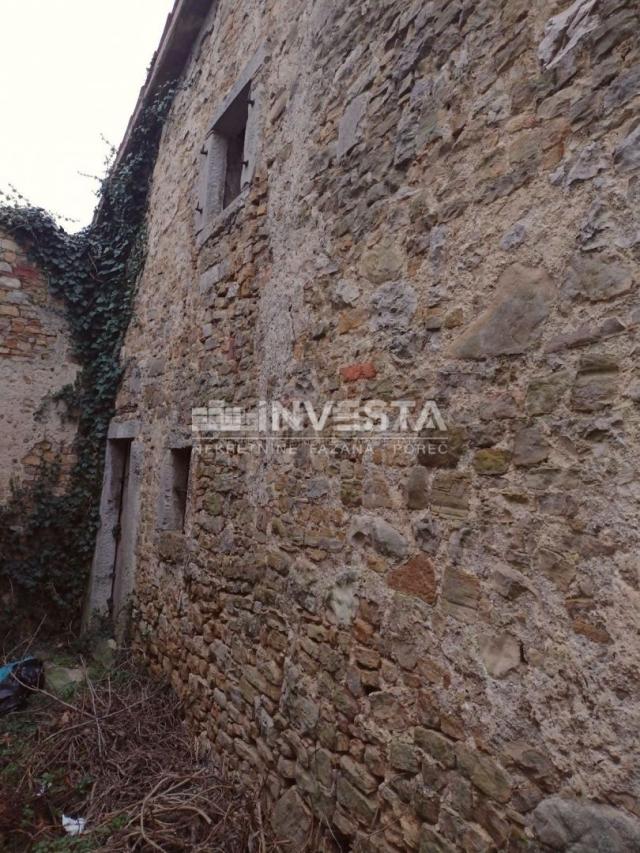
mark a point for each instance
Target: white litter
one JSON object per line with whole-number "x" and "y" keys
{"x": 74, "y": 826}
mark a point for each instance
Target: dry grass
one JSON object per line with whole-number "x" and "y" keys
{"x": 117, "y": 754}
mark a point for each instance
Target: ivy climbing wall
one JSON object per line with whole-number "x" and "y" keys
{"x": 35, "y": 363}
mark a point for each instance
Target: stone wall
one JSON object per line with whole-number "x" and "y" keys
{"x": 427, "y": 654}
{"x": 35, "y": 363}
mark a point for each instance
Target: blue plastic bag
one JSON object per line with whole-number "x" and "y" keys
{"x": 17, "y": 680}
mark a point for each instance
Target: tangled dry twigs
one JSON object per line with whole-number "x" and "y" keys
{"x": 118, "y": 755}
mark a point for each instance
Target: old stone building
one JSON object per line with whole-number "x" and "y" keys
{"x": 36, "y": 363}
{"x": 385, "y": 200}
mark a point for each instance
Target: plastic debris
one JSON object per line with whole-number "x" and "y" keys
{"x": 74, "y": 825}
{"x": 17, "y": 680}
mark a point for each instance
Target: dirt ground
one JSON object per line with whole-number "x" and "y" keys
{"x": 105, "y": 744}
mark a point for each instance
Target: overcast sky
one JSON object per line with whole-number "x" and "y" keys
{"x": 70, "y": 70}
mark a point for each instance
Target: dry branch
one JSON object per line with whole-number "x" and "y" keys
{"x": 118, "y": 755}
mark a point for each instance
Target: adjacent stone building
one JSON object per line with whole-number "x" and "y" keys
{"x": 393, "y": 201}
{"x": 36, "y": 362}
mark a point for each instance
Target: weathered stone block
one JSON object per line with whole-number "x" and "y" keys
{"x": 353, "y": 372}
{"x": 417, "y": 488}
{"x": 485, "y": 773}
{"x": 597, "y": 278}
{"x": 351, "y": 493}
{"x": 426, "y": 803}
{"x": 500, "y": 654}
{"x": 374, "y": 761}
{"x": 584, "y": 827}
{"x": 404, "y": 756}
{"x": 594, "y": 632}
{"x": 291, "y": 820}
{"x": 627, "y": 153}
{"x": 358, "y": 775}
{"x": 427, "y": 535}
{"x": 388, "y": 711}
{"x": 511, "y": 324}
{"x": 415, "y": 577}
{"x": 597, "y": 383}
{"x": 380, "y": 534}
{"x": 355, "y": 803}
{"x": 556, "y": 566}
{"x": 213, "y": 503}
{"x": 10, "y": 282}
{"x": 304, "y": 713}
{"x": 171, "y": 546}
{"x": 535, "y": 762}
{"x": 442, "y": 449}
{"x": 544, "y": 392}
{"x": 437, "y": 745}
{"x": 529, "y": 447}
{"x": 345, "y": 294}
{"x": 449, "y": 494}
{"x": 383, "y": 262}
{"x": 349, "y": 129}
{"x": 393, "y": 307}
{"x": 492, "y": 461}
{"x": 514, "y": 237}
{"x": 433, "y": 842}
{"x": 460, "y": 588}
{"x": 510, "y": 583}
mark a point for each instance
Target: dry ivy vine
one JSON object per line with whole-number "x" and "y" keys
{"x": 47, "y": 537}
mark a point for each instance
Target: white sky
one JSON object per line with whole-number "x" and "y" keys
{"x": 70, "y": 70}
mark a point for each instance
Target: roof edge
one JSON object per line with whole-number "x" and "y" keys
{"x": 178, "y": 38}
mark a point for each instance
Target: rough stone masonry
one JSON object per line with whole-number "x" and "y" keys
{"x": 431, "y": 654}
{"x": 36, "y": 362}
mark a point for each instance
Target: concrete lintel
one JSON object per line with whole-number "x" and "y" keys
{"x": 246, "y": 75}
{"x": 124, "y": 429}
{"x": 178, "y": 439}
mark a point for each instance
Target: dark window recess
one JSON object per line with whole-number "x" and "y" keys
{"x": 232, "y": 127}
{"x": 180, "y": 464}
{"x": 235, "y": 164}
